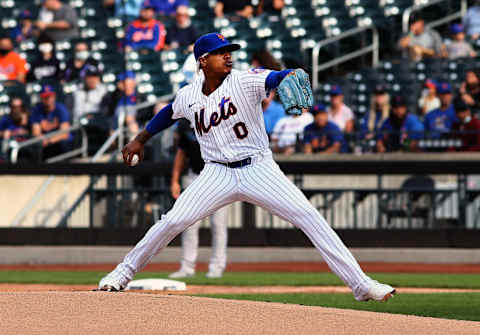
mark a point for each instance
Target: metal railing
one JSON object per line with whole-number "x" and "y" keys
{"x": 373, "y": 48}
{"x": 119, "y": 136}
{"x": 408, "y": 12}
{"x": 83, "y": 150}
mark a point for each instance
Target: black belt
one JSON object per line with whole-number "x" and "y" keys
{"x": 237, "y": 164}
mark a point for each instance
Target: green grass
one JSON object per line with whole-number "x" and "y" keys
{"x": 468, "y": 281}
{"x": 461, "y": 306}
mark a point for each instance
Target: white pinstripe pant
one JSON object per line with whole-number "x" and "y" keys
{"x": 218, "y": 227}
{"x": 262, "y": 183}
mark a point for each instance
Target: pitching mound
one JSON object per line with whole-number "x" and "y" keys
{"x": 121, "y": 313}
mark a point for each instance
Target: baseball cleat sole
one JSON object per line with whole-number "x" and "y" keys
{"x": 388, "y": 296}
{"x": 107, "y": 288}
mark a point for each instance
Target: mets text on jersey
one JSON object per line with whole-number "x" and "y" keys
{"x": 215, "y": 118}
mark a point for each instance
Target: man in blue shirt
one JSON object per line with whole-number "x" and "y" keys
{"x": 401, "y": 131}
{"x": 272, "y": 112}
{"x": 438, "y": 122}
{"x": 322, "y": 136}
{"x": 49, "y": 116}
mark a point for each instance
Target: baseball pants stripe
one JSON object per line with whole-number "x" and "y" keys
{"x": 218, "y": 227}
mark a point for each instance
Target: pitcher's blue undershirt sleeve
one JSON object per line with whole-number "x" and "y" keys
{"x": 274, "y": 78}
{"x": 162, "y": 120}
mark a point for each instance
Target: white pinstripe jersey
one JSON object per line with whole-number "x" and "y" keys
{"x": 229, "y": 122}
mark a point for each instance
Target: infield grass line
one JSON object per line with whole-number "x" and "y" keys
{"x": 459, "y": 306}
{"x": 421, "y": 280}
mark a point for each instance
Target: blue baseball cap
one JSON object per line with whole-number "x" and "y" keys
{"x": 444, "y": 88}
{"x": 47, "y": 90}
{"x": 211, "y": 42}
{"x": 126, "y": 75}
{"x": 25, "y": 15}
{"x": 336, "y": 90}
{"x": 147, "y": 4}
{"x": 317, "y": 109}
{"x": 457, "y": 28}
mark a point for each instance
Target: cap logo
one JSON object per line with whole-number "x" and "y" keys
{"x": 220, "y": 36}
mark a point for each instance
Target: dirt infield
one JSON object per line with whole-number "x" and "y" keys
{"x": 119, "y": 313}
{"x": 265, "y": 267}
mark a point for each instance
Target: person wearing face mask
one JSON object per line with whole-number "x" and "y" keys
{"x": 401, "y": 131}
{"x": 182, "y": 34}
{"x": 24, "y": 30}
{"x": 86, "y": 100}
{"x": 46, "y": 66}
{"x": 12, "y": 66}
{"x": 145, "y": 32}
{"x": 57, "y": 20}
{"x": 467, "y": 128}
{"x": 77, "y": 67}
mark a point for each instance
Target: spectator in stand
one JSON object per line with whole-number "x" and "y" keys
{"x": 123, "y": 100}
{"x": 46, "y": 65}
{"x": 438, "y": 122}
{"x": 272, "y": 112}
{"x": 121, "y": 8}
{"x": 458, "y": 47}
{"x": 338, "y": 112}
{"x": 378, "y": 113}
{"x": 24, "y": 30}
{"x": 470, "y": 90}
{"x": 58, "y": 20}
{"x": 272, "y": 109}
{"x": 263, "y": 59}
{"x": 146, "y": 32}
{"x": 429, "y": 99}
{"x": 87, "y": 99}
{"x": 401, "y": 131}
{"x": 77, "y": 67}
{"x": 167, "y": 8}
{"x": 467, "y": 128}
{"x": 48, "y": 116}
{"x": 322, "y": 136}
{"x": 288, "y": 130}
{"x": 16, "y": 124}
{"x": 421, "y": 42}
{"x": 270, "y": 7}
{"x": 12, "y": 66}
{"x": 471, "y": 21}
{"x": 183, "y": 34}
{"x": 234, "y": 9}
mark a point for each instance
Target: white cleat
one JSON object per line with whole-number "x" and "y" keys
{"x": 212, "y": 274}
{"x": 182, "y": 273}
{"x": 377, "y": 292}
{"x": 112, "y": 282}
